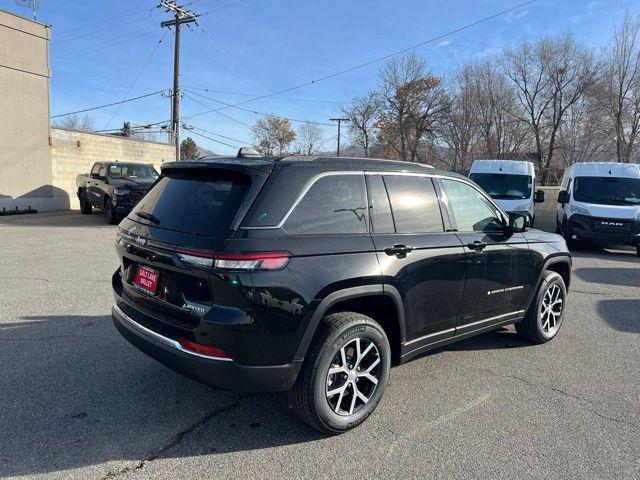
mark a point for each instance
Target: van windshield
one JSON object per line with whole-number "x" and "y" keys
{"x": 203, "y": 203}
{"x": 504, "y": 186}
{"x": 607, "y": 190}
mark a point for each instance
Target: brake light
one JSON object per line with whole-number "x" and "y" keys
{"x": 250, "y": 261}
{"x": 203, "y": 349}
{"x": 234, "y": 261}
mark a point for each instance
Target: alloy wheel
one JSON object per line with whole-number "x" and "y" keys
{"x": 550, "y": 316}
{"x": 353, "y": 376}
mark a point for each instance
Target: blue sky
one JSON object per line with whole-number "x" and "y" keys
{"x": 101, "y": 50}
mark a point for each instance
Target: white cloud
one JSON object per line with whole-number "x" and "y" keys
{"x": 444, "y": 43}
{"x": 521, "y": 14}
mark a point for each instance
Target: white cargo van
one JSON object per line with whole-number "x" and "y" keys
{"x": 600, "y": 203}
{"x": 511, "y": 183}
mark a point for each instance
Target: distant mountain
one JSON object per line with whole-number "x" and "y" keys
{"x": 203, "y": 152}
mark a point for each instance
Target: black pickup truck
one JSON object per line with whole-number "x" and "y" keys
{"x": 114, "y": 187}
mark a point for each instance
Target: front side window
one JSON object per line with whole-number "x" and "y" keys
{"x": 607, "y": 190}
{"x": 472, "y": 211}
{"x": 414, "y": 204}
{"x": 335, "y": 204}
{"x": 103, "y": 171}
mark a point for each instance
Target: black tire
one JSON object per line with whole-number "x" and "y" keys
{"x": 532, "y": 327}
{"x": 112, "y": 219}
{"x": 85, "y": 206}
{"x": 310, "y": 395}
{"x": 567, "y": 236}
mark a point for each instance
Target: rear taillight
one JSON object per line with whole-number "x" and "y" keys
{"x": 203, "y": 349}
{"x": 233, "y": 261}
{"x": 250, "y": 261}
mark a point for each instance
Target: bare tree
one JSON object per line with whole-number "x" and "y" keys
{"x": 550, "y": 76}
{"x": 76, "y": 122}
{"x": 308, "y": 138}
{"x": 413, "y": 100}
{"x": 273, "y": 134}
{"x": 363, "y": 115}
{"x": 621, "y": 86}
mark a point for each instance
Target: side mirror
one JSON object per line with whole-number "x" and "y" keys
{"x": 95, "y": 176}
{"x": 517, "y": 222}
{"x": 563, "y": 197}
{"x": 539, "y": 197}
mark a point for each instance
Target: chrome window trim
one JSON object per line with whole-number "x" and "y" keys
{"x": 321, "y": 175}
{"x": 134, "y": 326}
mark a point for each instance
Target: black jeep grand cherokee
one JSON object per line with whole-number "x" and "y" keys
{"x": 315, "y": 275}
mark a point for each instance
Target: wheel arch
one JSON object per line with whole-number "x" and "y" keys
{"x": 559, "y": 263}
{"x": 382, "y": 303}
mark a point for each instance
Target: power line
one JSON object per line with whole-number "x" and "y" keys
{"x": 290, "y": 99}
{"x": 135, "y": 80}
{"x": 385, "y": 57}
{"x": 230, "y": 105}
{"x": 109, "y": 105}
{"x": 214, "y": 140}
{"x": 218, "y": 113}
{"x": 191, "y": 127}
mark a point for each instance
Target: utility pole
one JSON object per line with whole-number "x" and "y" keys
{"x": 339, "y": 120}
{"x": 180, "y": 16}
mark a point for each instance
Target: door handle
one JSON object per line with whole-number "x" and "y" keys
{"x": 399, "y": 251}
{"x": 477, "y": 245}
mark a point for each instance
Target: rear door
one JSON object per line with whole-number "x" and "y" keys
{"x": 499, "y": 267}
{"x": 168, "y": 240}
{"x": 425, "y": 263}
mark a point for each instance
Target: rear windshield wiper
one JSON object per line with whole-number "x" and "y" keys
{"x": 148, "y": 216}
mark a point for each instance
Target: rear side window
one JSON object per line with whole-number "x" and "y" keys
{"x": 414, "y": 204}
{"x": 203, "y": 203}
{"x": 335, "y": 204}
{"x": 381, "y": 219}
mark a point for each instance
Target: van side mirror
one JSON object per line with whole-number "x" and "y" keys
{"x": 539, "y": 197}
{"x": 563, "y": 197}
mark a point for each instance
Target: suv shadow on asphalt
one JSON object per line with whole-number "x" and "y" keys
{"x": 621, "y": 314}
{"x": 62, "y": 219}
{"x": 77, "y": 395}
{"x": 624, "y": 277}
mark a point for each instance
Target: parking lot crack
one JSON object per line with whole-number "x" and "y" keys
{"x": 634, "y": 426}
{"x": 177, "y": 439}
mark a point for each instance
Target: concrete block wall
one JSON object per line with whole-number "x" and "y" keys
{"x": 74, "y": 152}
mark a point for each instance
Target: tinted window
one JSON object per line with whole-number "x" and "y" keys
{"x": 472, "y": 211}
{"x": 381, "y": 219}
{"x": 200, "y": 203}
{"x": 132, "y": 171}
{"x": 335, "y": 204}
{"x": 607, "y": 190}
{"x": 414, "y": 204}
{"x": 504, "y": 186}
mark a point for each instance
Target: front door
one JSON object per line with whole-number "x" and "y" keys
{"x": 425, "y": 264}
{"x": 498, "y": 265}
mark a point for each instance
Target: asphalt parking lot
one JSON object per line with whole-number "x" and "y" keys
{"x": 77, "y": 401}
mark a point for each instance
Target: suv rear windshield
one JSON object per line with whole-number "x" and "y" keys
{"x": 203, "y": 203}
{"x": 503, "y": 186}
{"x": 607, "y": 190}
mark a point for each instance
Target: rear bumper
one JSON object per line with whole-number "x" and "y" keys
{"x": 220, "y": 373}
{"x": 583, "y": 228}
